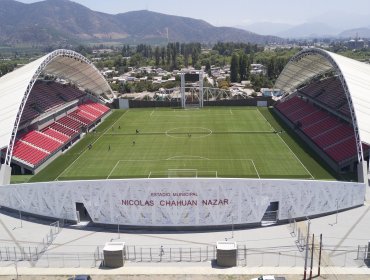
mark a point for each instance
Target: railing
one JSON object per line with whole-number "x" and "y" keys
{"x": 363, "y": 253}
{"x": 31, "y": 253}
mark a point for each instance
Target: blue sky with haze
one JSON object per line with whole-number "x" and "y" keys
{"x": 237, "y": 12}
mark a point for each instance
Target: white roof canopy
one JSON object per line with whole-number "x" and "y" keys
{"x": 16, "y": 86}
{"x": 354, "y": 76}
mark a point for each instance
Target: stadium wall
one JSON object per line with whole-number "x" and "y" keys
{"x": 182, "y": 202}
{"x": 225, "y": 102}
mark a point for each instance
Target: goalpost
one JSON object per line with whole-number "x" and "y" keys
{"x": 190, "y": 173}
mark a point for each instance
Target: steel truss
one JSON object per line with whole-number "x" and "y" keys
{"x": 209, "y": 94}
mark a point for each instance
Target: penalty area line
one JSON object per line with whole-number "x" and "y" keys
{"x": 255, "y": 168}
{"x": 308, "y": 172}
{"x": 111, "y": 172}
{"x": 86, "y": 149}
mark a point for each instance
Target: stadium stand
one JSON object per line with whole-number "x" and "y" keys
{"x": 40, "y": 140}
{"x": 332, "y": 135}
{"x": 328, "y": 92}
{"x": 67, "y": 93}
{"x": 70, "y": 123}
{"x": 56, "y": 135}
{"x": 35, "y": 146}
{"x": 76, "y": 115}
{"x": 28, "y": 153}
{"x": 63, "y": 129}
{"x": 91, "y": 110}
{"x": 28, "y": 114}
{"x": 45, "y": 96}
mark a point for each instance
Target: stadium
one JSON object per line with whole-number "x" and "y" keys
{"x": 177, "y": 168}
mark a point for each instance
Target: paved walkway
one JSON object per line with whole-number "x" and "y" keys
{"x": 271, "y": 250}
{"x": 188, "y": 272}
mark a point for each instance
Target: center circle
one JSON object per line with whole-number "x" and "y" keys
{"x": 188, "y": 132}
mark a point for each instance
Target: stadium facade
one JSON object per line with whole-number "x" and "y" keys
{"x": 186, "y": 202}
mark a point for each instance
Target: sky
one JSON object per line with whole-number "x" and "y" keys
{"x": 234, "y": 12}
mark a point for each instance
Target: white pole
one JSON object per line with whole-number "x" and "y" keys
{"x": 119, "y": 234}
{"x": 20, "y": 217}
{"x": 232, "y": 227}
{"x": 306, "y": 255}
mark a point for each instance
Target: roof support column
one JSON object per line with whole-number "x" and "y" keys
{"x": 5, "y": 173}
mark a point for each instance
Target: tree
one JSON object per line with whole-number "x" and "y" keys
{"x": 163, "y": 55}
{"x": 208, "y": 68}
{"x": 234, "y": 67}
{"x": 243, "y": 67}
{"x": 168, "y": 55}
{"x": 157, "y": 56}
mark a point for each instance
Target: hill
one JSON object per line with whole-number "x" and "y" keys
{"x": 357, "y": 32}
{"x": 62, "y": 21}
{"x": 309, "y": 30}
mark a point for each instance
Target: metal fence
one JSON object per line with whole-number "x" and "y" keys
{"x": 287, "y": 256}
{"x": 245, "y": 256}
{"x": 31, "y": 253}
{"x": 363, "y": 253}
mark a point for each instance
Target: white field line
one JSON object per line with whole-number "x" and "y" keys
{"x": 184, "y": 159}
{"x": 255, "y": 168}
{"x": 309, "y": 173}
{"x": 188, "y": 115}
{"x": 113, "y": 169}
{"x": 150, "y": 174}
{"x": 263, "y": 117}
{"x": 65, "y": 170}
{"x": 174, "y": 159}
{"x": 151, "y": 113}
{"x": 231, "y": 112}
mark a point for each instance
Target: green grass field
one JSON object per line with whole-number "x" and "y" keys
{"x": 223, "y": 141}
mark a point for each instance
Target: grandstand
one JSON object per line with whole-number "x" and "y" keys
{"x": 60, "y": 121}
{"x": 324, "y": 103}
{"x": 43, "y": 118}
{"x": 307, "y": 111}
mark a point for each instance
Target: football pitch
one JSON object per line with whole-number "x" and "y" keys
{"x": 224, "y": 142}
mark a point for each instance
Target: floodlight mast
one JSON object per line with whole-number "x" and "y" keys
{"x": 182, "y": 75}
{"x": 200, "y": 90}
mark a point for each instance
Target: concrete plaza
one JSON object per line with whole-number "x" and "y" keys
{"x": 266, "y": 250}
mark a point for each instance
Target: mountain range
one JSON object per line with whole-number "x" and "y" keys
{"x": 54, "y": 22}
{"x": 337, "y": 24}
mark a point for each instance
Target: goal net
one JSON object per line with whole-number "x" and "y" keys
{"x": 190, "y": 173}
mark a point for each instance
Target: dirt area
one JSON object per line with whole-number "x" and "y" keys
{"x": 183, "y": 277}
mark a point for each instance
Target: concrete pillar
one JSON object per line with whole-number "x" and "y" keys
{"x": 5, "y": 173}
{"x": 22, "y": 170}
{"x": 363, "y": 177}
{"x": 362, "y": 172}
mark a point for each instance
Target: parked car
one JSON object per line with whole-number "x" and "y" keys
{"x": 269, "y": 277}
{"x": 82, "y": 277}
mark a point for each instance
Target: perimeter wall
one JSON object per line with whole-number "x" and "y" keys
{"x": 182, "y": 202}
